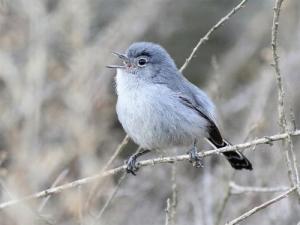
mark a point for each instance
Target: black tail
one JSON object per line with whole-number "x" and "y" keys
{"x": 236, "y": 159}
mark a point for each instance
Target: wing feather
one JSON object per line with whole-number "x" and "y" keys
{"x": 214, "y": 134}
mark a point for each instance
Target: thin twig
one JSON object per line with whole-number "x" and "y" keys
{"x": 174, "y": 195}
{"x": 113, "y": 194}
{"x": 262, "y": 206}
{"x": 207, "y": 35}
{"x": 287, "y": 143}
{"x": 168, "y": 213}
{"x": 225, "y": 201}
{"x": 223, "y": 205}
{"x": 149, "y": 162}
{"x": 111, "y": 197}
{"x": 118, "y": 150}
{"x": 80, "y": 208}
{"x": 295, "y": 162}
{"x": 281, "y": 111}
{"x": 59, "y": 178}
{"x": 295, "y": 177}
{"x": 237, "y": 189}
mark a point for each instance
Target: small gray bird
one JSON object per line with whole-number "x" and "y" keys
{"x": 160, "y": 109}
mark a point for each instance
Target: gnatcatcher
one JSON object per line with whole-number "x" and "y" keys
{"x": 160, "y": 109}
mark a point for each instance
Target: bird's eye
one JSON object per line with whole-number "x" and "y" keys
{"x": 142, "y": 61}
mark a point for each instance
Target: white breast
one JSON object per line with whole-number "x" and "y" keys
{"x": 152, "y": 116}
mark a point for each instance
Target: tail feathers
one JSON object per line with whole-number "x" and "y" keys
{"x": 236, "y": 159}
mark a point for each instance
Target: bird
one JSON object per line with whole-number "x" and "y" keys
{"x": 160, "y": 109}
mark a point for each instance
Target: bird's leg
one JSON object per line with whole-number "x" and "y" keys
{"x": 195, "y": 159}
{"x": 131, "y": 162}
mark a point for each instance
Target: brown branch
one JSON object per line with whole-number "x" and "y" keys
{"x": 149, "y": 162}
{"x": 207, "y": 35}
{"x": 262, "y": 206}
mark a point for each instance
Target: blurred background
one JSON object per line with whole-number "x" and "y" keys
{"x": 58, "y": 120}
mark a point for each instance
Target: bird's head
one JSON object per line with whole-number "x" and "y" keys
{"x": 145, "y": 60}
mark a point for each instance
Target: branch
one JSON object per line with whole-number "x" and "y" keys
{"x": 149, "y": 162}
{"x": 207, "y": 35}
{"x": 287, "y": 143}
{"x": 281, "y": 111}
{"x": 262, "y": 206}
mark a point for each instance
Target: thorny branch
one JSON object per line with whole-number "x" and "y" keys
{"x": 149, "y": 162}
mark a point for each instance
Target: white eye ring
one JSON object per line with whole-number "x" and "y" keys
{"x": 142, "y": 61}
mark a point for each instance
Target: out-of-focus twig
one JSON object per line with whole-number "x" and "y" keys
{"x": 59, "y": 178}
{"x": 223, "y": 205}
{"x": 80, "y": 206}
{"x": 149, "y": 162}
{"x": 168, "y": 213}
{"x": 237, "y": 189}
{"x": 108, "y": 163}
{"x": 287, "y": 143}
{"x": 116, "y": 188}
{"x": 174, "y": 196}
{"x": 111, "y": 197}
{"x": 207, "y": 35}
{"x": 224, "y": 201}
{"x": 262, "y": 206}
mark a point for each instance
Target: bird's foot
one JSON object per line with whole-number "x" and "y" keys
{"x": 195, "y": 159}
{"x": 131, "y": 165}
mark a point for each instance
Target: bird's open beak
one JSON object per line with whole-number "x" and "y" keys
{"x": 124, "y": 59}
